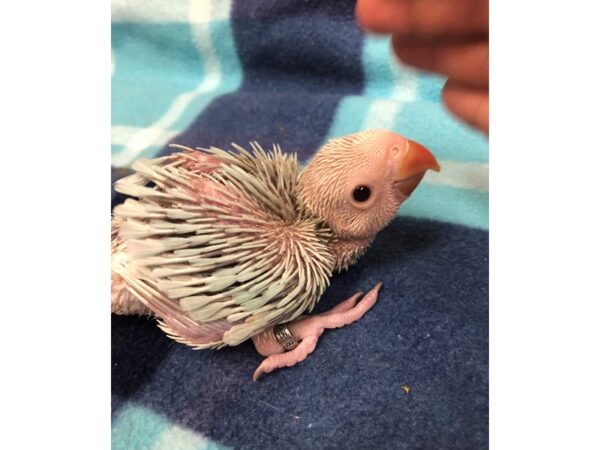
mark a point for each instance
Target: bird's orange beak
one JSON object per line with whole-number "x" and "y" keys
{"x": 413, "y": 165}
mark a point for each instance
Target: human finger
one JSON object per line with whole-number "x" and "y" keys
{"x": 466, "y": 63}
{"x": 424, "y": 18}
{"x": 468, "y": 103}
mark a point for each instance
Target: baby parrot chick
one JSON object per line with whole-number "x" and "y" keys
{"x": 223, "y": 247}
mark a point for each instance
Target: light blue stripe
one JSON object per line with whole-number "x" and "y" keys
{"x": 116, "y": 148}
{"x": 231, "y": 72}
{"x": 379, "y": 82}
{"x": 426, "y": 122}
{"x": 136, "y": 428}
{"x": 379, "y": 76}
{"x": 430, "y": 88}
{"x": 431, "y": 125}
{"x": 445, "y": 203}
{"x": 348, "y": 117}
{"x": 149, "y": 152}
{"x": 139, "y": 428}
{"x": 149, "y": 77}
{"x": 154, "y": 63}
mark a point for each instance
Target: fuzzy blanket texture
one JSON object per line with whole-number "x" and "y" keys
{"x": 212, "y": 72}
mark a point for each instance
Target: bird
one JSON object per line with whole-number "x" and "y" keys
{"x": 226, "y": 246}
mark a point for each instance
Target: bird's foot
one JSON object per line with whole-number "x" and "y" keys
{"x": 308, "y": 329}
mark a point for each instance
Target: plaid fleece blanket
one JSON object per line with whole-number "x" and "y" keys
{"x": 413, "y": 373}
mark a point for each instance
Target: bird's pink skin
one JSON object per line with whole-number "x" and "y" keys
{"x": 391, "y": 165}
{"x": 308, "y": 329}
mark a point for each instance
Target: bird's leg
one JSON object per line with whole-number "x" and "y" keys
{"x": 308, "y": 329}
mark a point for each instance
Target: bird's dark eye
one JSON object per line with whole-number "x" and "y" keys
{"x": 361, "y": 193}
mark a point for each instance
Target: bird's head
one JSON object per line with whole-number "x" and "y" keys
{"x": 356, "y": 183}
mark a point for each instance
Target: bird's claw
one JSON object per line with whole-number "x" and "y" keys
{"x": 309, "y": 329}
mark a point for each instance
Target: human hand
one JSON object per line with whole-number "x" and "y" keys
{"x": 449, "y": 37}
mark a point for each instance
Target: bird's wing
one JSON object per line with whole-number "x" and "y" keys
{"x": 220, "y": 252}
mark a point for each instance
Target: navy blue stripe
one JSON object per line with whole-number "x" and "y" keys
{"x": 298, "y": 123}
{"x": 429, "y": 331}
{"x": 296, "y": 69}
{"x": 130, "y": 369}
{"x": 277, "y": 9}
